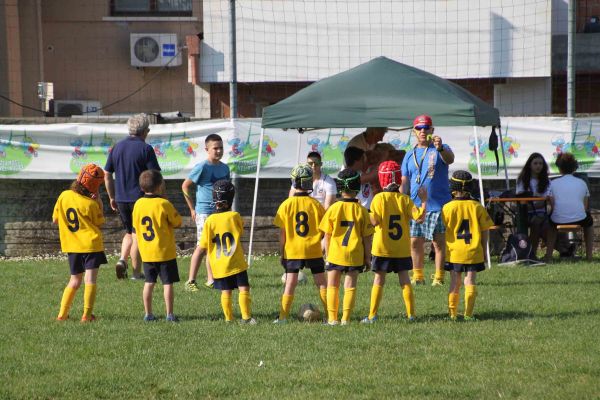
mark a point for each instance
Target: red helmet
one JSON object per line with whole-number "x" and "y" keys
{"x": 423, "y": 120}
{"x": 91, "y": 177}
{"x": 389, "y": 173}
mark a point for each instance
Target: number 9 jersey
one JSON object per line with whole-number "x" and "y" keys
{"x": 79, "y": 219}
{"x": 221, "y": 238}
{"x": 465, "y": 220}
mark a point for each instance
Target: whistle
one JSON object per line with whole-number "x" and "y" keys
{"x": 429, "y": 137}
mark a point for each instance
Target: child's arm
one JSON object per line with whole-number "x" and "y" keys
{"x": 484, "y": 239}
{"x": 367, "y": 241}
{"x": 374, "y": 219}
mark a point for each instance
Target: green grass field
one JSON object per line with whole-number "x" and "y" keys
{"x": 537, "y": 337}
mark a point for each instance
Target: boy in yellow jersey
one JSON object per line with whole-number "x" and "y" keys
{"x": 348, "y": 232}
{"x": 467, "y": 223}
{"x": 154, "y": 222}
{"x": 221, "y": 240}
{"x": 391, "y": 212}
{"x": 78, "y": 213}
{"x": 298, "y": 218}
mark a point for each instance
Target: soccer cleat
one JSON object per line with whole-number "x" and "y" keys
{"x": 333, "y": 323}
{"x": 62, "y": 318}
{"x": 344, "y": 323}
{"x": 412, "y": 319}
{"x": 366, "y": 320}
{"x": 469, "y": 319}
{"x": 280, "y": 321}
{"x": 121, "y": 269}
{"x": 191, "y": 286}
{"x": 437, "y": 282}
{"x": 453, "y": 318}
{"x": 171, "y": 318}
{"x": 416, "y": 282}
{"x": 249, "y": 321}
{"x": 149, "y": 318}
{"x": 209, "y": 285}
{"x": 92, "y": 318}
{"x": 139, "y": 277}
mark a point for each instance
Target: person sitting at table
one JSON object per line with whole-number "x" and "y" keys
{"x": 534, "y": 181}
{"x": 569, "y": 201}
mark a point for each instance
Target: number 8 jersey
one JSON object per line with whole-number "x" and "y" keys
{"x": 465, "y": 220}
{"x": 79, "y": 219}
{"x": 222, "y": 239}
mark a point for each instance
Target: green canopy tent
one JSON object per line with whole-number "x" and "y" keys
{"x": 381, "y": 92}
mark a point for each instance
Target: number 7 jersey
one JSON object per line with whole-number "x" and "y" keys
{"x": 465, "y": 220}
{"x": 222, "y": 239}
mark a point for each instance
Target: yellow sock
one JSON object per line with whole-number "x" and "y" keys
{"x": 333, "y": 302}
{"x": 376, "y": 293}
{"x": 245, "y": 302}
{"x": 65, "y": 303}
{"x": 349, "y": 297}
{"x": 286, "y": 305}
{"x": 227, "y": 306}
{"x": 439, "y": 274}
{"x": 323, "y": 296}
{"x": 470, "y": 296}
{"x": 409, "y": 300}
{"x": 418, "y": 274}
{"x": 89, "y": 298}
{"x": 453, "y": 299}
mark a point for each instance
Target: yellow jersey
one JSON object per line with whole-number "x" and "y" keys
{"x": 393, "y": 212}
{"x": 154, "y": 219}
{"x": 348, "y": 223}
{"x": 221, "y": 238}
{"x": 79, "y": 219}
{"x": 465, "y": 220}
{"x": 299, "y": 216}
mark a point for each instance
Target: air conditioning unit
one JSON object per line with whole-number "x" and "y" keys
{"x": 154, "y": 50}
{"x": 67, "y": 108}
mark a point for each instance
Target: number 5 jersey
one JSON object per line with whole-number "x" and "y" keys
{"x": 79, "y": 219}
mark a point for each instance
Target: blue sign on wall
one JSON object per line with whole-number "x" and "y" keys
{"x": 168, "y": 50}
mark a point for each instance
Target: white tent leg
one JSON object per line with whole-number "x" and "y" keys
{"x": 489, "y": 258}
{"x": 260, "y": 146}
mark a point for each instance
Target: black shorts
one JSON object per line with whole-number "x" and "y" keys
{"x": 391, "y": 264}
{"x": 167, "y": 270}
{"x": 316, "y": 265}
{"x": 125, "y": 212}
{"x": 232, "y": 282}
{"x": 584, "y": 223}
{"x": 343, "y": 268}
{"x": 79, "y": 262}
{"x": 457, "y": 267}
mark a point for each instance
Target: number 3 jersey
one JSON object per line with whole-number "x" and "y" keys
{"x": 347, "y": 222}
{"x": 465, "y": 220}
{"x": 154, "y": 220}
{"x": 393, "y": 212}
{"x": 299, "y": 216}
{"x": 221, "y": 237}
{"x": 79, "y": 219}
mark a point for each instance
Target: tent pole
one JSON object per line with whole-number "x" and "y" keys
{"x": 298, "y": 145}
{"x": 504, "y": 157}
{"x": 489, "y": 259}
{"x": 260, "y": 146}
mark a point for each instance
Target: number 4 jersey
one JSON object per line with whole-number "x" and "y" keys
{"x": 221, "y": 237}
{"x": 154, "y": 220}
{"x": 79, "y": 219}
{"x": 465, "y": 220}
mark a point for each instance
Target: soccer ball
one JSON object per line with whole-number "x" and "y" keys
{"x": 309, "y": 313}
{"x": 301, "y": 278}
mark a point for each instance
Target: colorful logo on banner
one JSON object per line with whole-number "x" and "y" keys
{"x": 488, "y": 158}
{"x": 331, "y": 150}
{"x": 243, "y": 152}
{"x": 16, "y": 152}
{"x": 584, "y": 146}
{"x": 174, "y": 154}
{"x": 401, "y": 141}
{"x": 85, "y": 152}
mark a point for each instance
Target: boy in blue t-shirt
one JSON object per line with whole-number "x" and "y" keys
{"x": 203, "y": 176}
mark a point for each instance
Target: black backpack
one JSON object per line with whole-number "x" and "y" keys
{"x": 517, "y": 249}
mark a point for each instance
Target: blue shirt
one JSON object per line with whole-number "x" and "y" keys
{"x": 204, "y": 175}
{"x": 425, "y": 167}
{"x": 128, "y": 159}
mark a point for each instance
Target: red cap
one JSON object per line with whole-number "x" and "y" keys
{"x": 423, "y": 120}
{"x": 389, "y": 172}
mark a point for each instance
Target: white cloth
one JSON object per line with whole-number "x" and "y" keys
{"x": 533, "y": 184}
{"x": 365, "y": 196}
{"x": 569, "y": 193}
{"x": 323, "y": 187}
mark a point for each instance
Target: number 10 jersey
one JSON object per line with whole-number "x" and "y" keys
{"x": 222, "y": 239}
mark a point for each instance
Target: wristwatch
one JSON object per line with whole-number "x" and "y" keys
{"x": 440, "y": 149}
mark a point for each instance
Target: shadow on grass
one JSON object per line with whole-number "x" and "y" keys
{"x": 541, "y": 283}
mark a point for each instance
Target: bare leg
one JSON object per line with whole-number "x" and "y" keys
{"x": 291, "y": 281}
{"x": 147, "y": 297}
{"x": 439, "y": 246}
{"x": 417, "y": 252}
{"x": 169, "y": 297}
{"x": 195, "y": 264}
{"x": 126, "y": 246}
{"x": 136, "y": 259}
{"x": 552, "y": 233}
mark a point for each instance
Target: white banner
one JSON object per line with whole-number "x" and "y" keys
{"x": 58, "y": 151}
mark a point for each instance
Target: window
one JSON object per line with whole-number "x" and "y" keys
{"x": 160, "y": 8}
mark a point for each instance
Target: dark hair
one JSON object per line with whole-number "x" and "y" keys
{"x": 348, "y": 181}
{"x": 461, "y": 181}
{"x": 566, "y": 163}
{"x": 150, "y": 181}
{"x": 79, "y": 188}
{"x": 213, "y": 137}
{"x": 314, "y": 154}
{"x": 525, "y": 175}
{"x": 352, "y": 155}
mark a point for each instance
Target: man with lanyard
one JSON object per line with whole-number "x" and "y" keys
{"x": 427, "y": 166}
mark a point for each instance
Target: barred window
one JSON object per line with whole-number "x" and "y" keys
{"x": 161, "y": 8}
